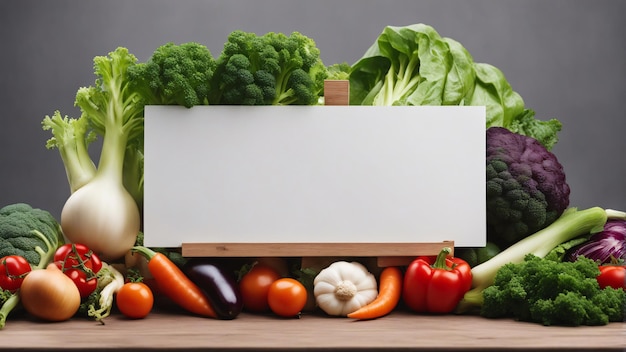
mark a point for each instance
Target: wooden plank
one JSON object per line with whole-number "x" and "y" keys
{"x": 313, "y": 249}
{"x": 400, "y": 330}
{"x": 336, "y": 92}
{"x": 396, "y": 261}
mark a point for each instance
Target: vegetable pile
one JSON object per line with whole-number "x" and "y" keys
{"x": 545, "y": 261}
{"x": 553, "y": 293}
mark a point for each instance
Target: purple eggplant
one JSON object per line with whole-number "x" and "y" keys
{"x": 220, "y": 288}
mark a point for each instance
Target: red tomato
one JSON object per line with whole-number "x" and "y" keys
{"x": 80, "y": 264}
{"x": 76, "y": 255}
{"x": 613, "y": 276}
{"x": 13, "y": 269}
{"x": 135, "y": 300}
{"x": 254, "y": 286}
{"x": 85, "y": 286}
{"x": 287, "y": 297}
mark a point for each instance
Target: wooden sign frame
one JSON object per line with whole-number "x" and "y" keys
{"x": 387, "y": 253}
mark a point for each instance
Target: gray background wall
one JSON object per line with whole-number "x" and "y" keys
{"x": 567, "y": 59}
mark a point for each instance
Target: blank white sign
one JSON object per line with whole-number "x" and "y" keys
{"x": 300, "y": 174}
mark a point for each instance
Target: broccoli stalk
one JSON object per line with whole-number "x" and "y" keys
{"x": 45, "y": 256}
{"x": 10, "y": 302}
{"x": 571, "y": 224}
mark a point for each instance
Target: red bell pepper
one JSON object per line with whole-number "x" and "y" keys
{"x": 436, "y": 284}
{"x": 13, "y": 269}
{"x": 613, "y": 276}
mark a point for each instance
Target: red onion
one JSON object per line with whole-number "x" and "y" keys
{"x": 601, "y": 246}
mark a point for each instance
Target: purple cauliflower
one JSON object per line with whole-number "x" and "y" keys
{"x": 526, "y": 187}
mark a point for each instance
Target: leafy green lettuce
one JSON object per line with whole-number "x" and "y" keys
{"x": 414, "y": 65}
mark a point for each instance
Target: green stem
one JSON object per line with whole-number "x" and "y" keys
{"x": 8, "y": 307}
{"x": 45, "y": 257}
{"x": 440, "y": 261}
{"x": 145, "y": 251}
{"x": 111, "y": 164}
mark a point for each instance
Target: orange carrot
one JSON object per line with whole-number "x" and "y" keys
{"x": 174, "y": 284}
{"x": 388, "y": 296}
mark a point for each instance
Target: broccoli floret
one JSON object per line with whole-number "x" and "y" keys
{"x": 526, "y": 187}
{"x": 299, "y": 91}
{"x": 29, "y": 232}
{"x": 242, "y": 86}
{"x": 271, "y": 69}
{"x": 549, "y": 292}
{"x": 175, "y": 75}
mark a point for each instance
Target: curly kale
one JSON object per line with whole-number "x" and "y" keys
{"x": 526, "y": 187}
{"x": 551, "y": 292}
{"x": 269, "y": 69}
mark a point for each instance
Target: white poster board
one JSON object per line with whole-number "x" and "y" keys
{"x": 303, "y": 174}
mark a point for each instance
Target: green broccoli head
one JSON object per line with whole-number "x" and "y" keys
{"x": 175, "y": 75}
{"x": 241, "y": 85}
{"x": 271, "y": 69}
{"x": 302, "y": 72}
{"x": 526, "y": 187}
{"x": 551, "y": 292}
{"x": 29, "y": 232}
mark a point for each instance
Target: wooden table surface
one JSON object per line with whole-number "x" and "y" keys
{"x": 401, "y": 330}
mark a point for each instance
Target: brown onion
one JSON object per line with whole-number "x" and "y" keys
{"x": 49, "y": 294}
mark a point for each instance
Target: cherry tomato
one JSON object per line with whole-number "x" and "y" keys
{"x": 13, "y": 269}
{"x": 134, "y": 300}
{"x": 76, "y": 255}
{"x": 613, "y": 276}
{"x": 287, "y": 297}
{"x": 85, "y": 286}
{"x": 80, "y": 264}
{"x": 254, "y": 286}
